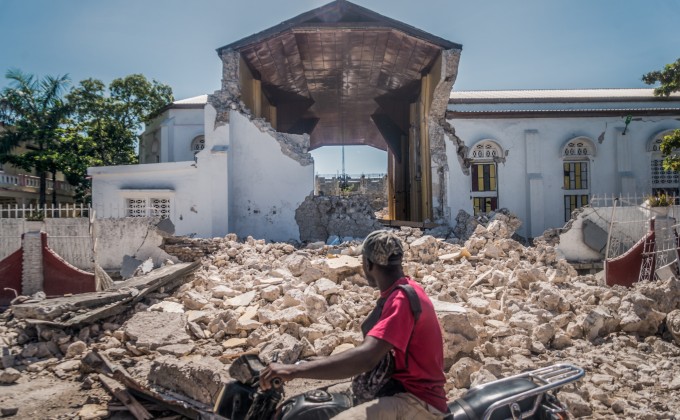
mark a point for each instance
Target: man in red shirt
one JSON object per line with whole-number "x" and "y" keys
{"x": 415, "y": 344}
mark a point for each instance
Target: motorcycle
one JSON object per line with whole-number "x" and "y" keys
{"x": 528, "y": 395}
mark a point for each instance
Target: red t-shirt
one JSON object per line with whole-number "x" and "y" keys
{"x": 424, "y": 376}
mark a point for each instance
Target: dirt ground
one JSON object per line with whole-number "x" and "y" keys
{"x": 47, "y": 397}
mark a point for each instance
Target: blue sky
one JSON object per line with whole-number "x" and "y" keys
{"x": 507, "y": 44}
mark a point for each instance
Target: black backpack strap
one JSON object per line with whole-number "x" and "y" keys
{"x": 416, "y": 309}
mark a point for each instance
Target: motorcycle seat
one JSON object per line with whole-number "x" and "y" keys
{"x": 476, "y": 401}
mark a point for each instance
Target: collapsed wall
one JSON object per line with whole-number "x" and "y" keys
{"x": 524, "y": 308}
{"x": 320, "y": 217}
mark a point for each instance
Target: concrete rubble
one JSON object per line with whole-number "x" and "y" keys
{"x": 524, "y": 308}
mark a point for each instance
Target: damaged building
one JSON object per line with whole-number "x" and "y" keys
{"x": 238, "y": 161}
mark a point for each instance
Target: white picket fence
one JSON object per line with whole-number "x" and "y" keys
{"x": 60, "y": 211}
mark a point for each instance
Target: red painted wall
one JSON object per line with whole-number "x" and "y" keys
{"x": 61, "y": 277}
{"x": 624, "y": 270}
{"x": 10, "y": 276}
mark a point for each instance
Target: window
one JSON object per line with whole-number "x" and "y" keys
{"x": 572, "y": 202}
{"x": 484, "y": 204}
{"x": 663, "y": 181}
{"x": 575, "y": 175}
{"x": 576, "y": 156}
{"x": 484, "y": 176}
{"x": 148, "y": 207}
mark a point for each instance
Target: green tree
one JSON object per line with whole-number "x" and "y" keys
{"x": 669, "y": 80}
{"x": 106, "y": 123}
{"x": 34, "y": 113}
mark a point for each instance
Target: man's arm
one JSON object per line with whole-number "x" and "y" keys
{"x": 339, "y": 366}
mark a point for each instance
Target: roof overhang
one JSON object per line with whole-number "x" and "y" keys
{"x": 333, "y": 70}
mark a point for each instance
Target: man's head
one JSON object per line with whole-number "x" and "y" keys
{"x": 383, "y": 250}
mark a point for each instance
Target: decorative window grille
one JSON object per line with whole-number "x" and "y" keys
{"x": 577, "y": 148}
{"x": 198, "y": 144}
{"x": 485, "y": 150}
{"x": 136, "y": 207}
{"x": 148, "y": 207}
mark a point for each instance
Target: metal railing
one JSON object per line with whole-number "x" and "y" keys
{"x": 37, "y": 212}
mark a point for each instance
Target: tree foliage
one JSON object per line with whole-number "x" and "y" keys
{"x": 669, "y": 82}
{"x": 34, "y": 113}
{"x": 92, "y": 125}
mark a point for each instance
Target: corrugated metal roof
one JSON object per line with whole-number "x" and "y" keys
{"x": 196, "y": 100}
{"x": 561, "y": 106}
{"x": 555, "y": 95}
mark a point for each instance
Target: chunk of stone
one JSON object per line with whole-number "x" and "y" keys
{"x": 459, "y": 334}
{"x": 297, "y": 263}
{"x": 76, "y": 349}
{"x": 243, "y": 299}
{"x": 576, "y": 405}
{"x": 93, "y": 412}
{"x": 284, "y": 349}
{"x": 178, "y": 350}
{"x": 155, "y": 329}
{"x": 461, "y": 371}
{"x": 424, "y": 249}
{"x": 342, "y": 347}
{"x": 270, "y": 293}
{"x": 295, "y": 314}
{"x": 234, "y": 342}
{"x": 9, "y": 376}
{"x": 200, "y": 378}
{"x": 326, "y": 287}
{"x": 167, "y": 306}
{"x": 673, "y": 325}
{"x": 638, "y": 315}
{"x": 599, "y": 322}
{"x": 193, "y": 300}
{"x": 337, "y": 269}
{"x": 223, "y": 291}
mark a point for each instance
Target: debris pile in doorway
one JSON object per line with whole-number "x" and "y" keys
{"x": 503, "y": 308}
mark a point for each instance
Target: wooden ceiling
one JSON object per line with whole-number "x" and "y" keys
{"x": 328, "y": 70}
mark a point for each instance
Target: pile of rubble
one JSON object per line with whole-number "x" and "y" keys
{"x": 524, "y": 308}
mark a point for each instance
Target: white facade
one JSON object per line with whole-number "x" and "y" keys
{"x": 242, "y": 180}
{"x": 238, "y": 181}
{"x": 538, "y": 132}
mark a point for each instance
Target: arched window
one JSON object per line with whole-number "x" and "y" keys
{"x": 576, "y": 155}
{"x": 484, "y": 170}
{"x": 663, "y": 181}
{"x": 197, "y": 145}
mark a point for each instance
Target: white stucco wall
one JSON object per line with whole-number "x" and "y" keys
{"x": 266, "y": 186}
{"x": 530, "y": 182}
{"x": 174, "y": 129}
{"x": 178, "y": 181}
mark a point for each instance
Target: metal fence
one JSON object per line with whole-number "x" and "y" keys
{"x": 627, "y": 220}
{"x": 39, "y": 212}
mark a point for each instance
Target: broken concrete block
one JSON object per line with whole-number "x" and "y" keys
{"x": 594, "y": 236}
{"x": 167, "y": 306}
{"x": 166, "y": 227}
{"x": 178, "y": 350}
{"x": 200, "y": 378}
{"x": 76, "y": 349}
{"x": 326, "y": 287}
{"x": 243, "y": 299}
{"x": 9, "y": 376}
{"x": 284, "y": 349}
{"x": 130, "y": 264}
{"x": 461, "y": 371}
{"x": 151, "y": 330}
{"x": 194, "y": 300}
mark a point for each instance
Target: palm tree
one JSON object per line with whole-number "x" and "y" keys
{"x": 33, "y": 111}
